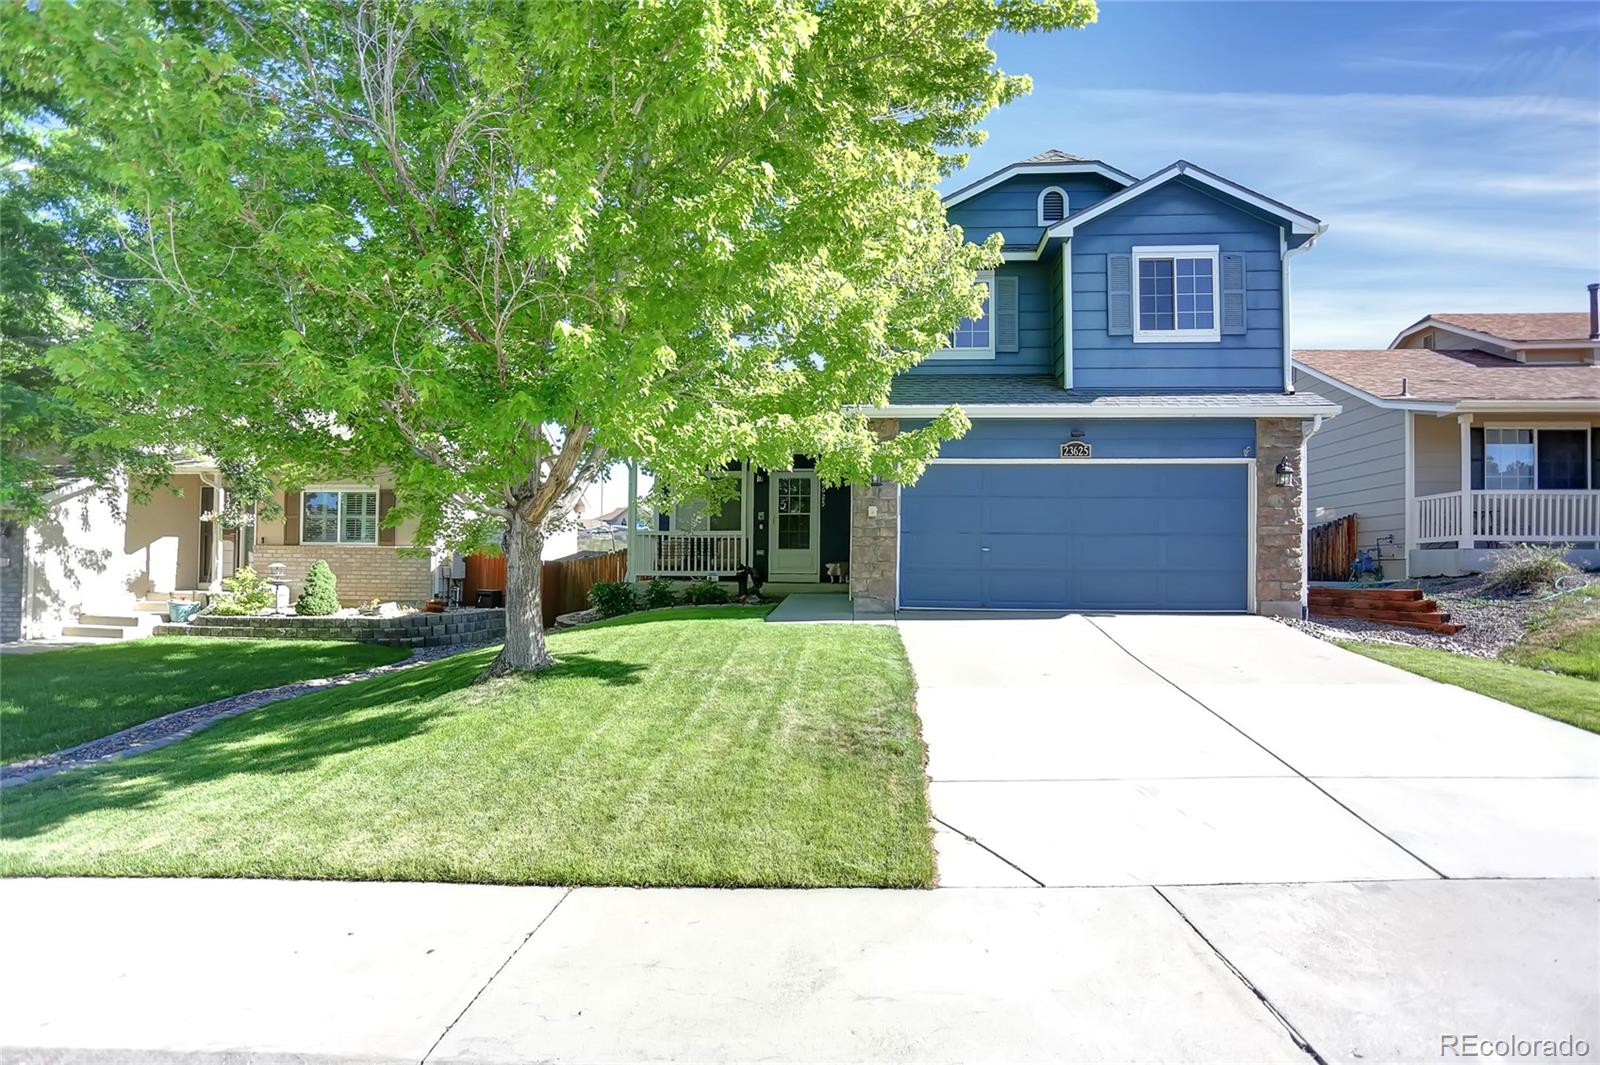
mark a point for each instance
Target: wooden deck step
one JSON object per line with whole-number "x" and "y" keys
{"x": 1316, "y": 592}
{"x": 1421, "y": 606}
{"x": 1431, "y": 621}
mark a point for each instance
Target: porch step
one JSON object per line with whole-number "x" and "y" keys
{"x": 126, "y": 621}
{"x": 1406, "y": 607}
{"x": 108, "y": 632}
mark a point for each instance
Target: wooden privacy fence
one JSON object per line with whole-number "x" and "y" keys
{"x": 564, "y": 583}
{"x": 1331, "y": 547}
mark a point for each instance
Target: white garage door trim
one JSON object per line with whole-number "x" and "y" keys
{"x": 1249, "y": 503}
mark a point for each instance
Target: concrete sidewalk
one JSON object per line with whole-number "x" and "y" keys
{"x": 196, "y": 970}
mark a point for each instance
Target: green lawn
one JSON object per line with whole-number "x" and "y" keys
{"x": 1565, "y": 638}
{"x": 1565, "y": 698}
{"x": 56, "y": 699}
{"x": 679, "y": 747}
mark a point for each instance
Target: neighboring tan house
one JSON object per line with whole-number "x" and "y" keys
{"x": 1471, "y": 432}
{"x": 96, "y": 565}
{"x": 1135, "y": 437}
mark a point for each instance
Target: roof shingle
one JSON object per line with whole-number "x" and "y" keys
{"x": 1523, "y": 327}
{"x": 1447, "y": 376}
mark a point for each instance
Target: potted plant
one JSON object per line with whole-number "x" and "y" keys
{"x": 180, "y": 608}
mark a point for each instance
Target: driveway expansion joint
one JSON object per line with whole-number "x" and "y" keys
{"x": 494, "y": 975}
{"x": 975, "y": 841}
{"x": 1180, "y": 689}
{"x": 1294, "y": 1034}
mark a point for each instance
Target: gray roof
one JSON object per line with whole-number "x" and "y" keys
{"x": 1056, "y": 155}
{"x": 1011, "y": 390}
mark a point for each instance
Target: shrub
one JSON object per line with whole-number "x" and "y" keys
{"x": 659, "y": 593}
{"x": 244, "y": 593}
{"x": 705, "y": 593}
{"x": 613, "y": 598}
{"x": 320, "y": 595}
{"x": 1528, "y": 568}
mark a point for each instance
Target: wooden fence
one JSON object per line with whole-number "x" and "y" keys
{"x": 1331, "y": 547}
{"x": 564, "y": 586}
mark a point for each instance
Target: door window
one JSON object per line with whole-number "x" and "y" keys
{"x": 794, "y": 513}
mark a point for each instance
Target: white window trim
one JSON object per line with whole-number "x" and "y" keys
{"x": 1536, "y": 429}
{"x": 1168, "y": 336}
{"x": 341, "y": 489}
{"x": 674, "y": 522}
{"x": 1066, "y": 204}
{"x": 973, "y": 354}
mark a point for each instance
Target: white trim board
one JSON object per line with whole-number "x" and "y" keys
{"x": 984, "y": 184}
{"x": 1067, "y": 411}
{"x": 1050, "y": 461}
{"x": 1299, "y": 223}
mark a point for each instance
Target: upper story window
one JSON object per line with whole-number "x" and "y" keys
{"x": 973, "y": 338}
{"x": 339, "y": 516}
{"x": 1052, "y": 206}
{"x": 1175, "y": 294}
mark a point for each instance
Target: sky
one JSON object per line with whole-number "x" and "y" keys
{"x": 1453, "y": 148}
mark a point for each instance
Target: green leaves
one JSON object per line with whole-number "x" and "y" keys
{"x": 491, "y": 246}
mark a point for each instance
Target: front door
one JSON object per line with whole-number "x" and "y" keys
{"x": 793, "y": 548}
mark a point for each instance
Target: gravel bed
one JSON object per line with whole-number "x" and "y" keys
{"x": 169, "y": 728}
{"x": 1492, "y": 623}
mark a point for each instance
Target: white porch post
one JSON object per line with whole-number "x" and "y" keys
{"x": 1465, "y": 542}
{"x": 214, "y": 585}
{"x": 633, "y": 521}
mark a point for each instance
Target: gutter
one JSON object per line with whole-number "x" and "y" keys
{"x": 1069, "y": 410}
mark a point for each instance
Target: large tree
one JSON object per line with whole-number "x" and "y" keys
{"x": 494, "y": 246}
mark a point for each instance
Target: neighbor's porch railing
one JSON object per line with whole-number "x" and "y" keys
{"x": 1511, "y": 517}
{"x": 691, "y": 554}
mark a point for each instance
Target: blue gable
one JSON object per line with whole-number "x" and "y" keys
{"x": 1178, "y": 213}
{"x": 1012, "y": 207}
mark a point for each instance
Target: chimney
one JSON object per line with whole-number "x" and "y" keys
{"x": 1594, "y": 312}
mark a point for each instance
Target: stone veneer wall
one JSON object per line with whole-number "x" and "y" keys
{"x": 365, "y": 571}
{"x": 875, "y": 539}
{"x": 1280, "y": 519}
{"x": 468, "y": 625}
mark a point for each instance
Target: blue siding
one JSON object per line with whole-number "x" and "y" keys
{"x": 1012, "y": 207}
{"x": 1178, "y": 213}
{"x": 1005, "y": 438}
{"x": 1076, "y": 537}
{"x": 1035, "y": 354}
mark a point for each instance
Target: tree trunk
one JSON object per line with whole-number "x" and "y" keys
{"x": 525, "y": 650}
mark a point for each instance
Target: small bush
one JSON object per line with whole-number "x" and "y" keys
{"x": 659, "y": 593}
{"x": 705, "y": 593}
{"x": 614, "y": 598}
{"x": 1528, "y": 568}
{"x": 244, "y": 593}
{"x": 320, "y": 595}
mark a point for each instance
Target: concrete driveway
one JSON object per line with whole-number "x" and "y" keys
{"x": 1081, "y": 750}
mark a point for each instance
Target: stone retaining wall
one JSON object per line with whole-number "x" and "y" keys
{"x": 410, "y": 630}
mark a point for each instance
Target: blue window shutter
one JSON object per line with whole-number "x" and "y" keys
{"x": 1119, "y": 295}
{"x": 1005, "y": 313}
{"x": 1233, "y": 293}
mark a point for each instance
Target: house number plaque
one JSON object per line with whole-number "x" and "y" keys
{"x": 1077, "y": 449}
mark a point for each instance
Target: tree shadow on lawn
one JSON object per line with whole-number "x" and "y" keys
{"x": 294, "y": 736}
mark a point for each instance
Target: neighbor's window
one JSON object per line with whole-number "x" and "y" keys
{"x": 339, "y": 516}
{"x": 1508, "y": 458}
{"x": 1175, "y": 291}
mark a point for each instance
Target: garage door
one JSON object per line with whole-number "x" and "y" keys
{"x": 1096, "y": 536}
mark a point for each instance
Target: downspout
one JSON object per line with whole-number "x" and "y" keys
{"x": 1285, "y": 253}
{"x": 1305, "y": 514}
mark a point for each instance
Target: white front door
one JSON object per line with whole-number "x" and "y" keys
{"x": 793, "y": 544}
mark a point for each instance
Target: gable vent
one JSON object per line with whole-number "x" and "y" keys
{"x": 1052, "y": 206}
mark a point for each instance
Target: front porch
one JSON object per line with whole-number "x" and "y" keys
{"x": 784, "y": 526}
{"x": 1495, "y": 480}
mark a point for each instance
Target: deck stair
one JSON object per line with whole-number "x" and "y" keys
{"x": 128, "y": 621}
{"x": 1407, "y": 607}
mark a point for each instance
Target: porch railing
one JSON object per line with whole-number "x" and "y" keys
{"x": 691, "y": 554}
{"x": 1512, "y": 517}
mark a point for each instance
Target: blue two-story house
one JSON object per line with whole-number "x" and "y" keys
{"x": 1136, "y": 440}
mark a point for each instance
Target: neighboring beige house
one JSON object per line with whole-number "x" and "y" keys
{"x": 96, "y": 560}
{"x": 1471, "y": 432}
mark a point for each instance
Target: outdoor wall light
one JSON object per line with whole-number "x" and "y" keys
{"x": 1285, "y": 473}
